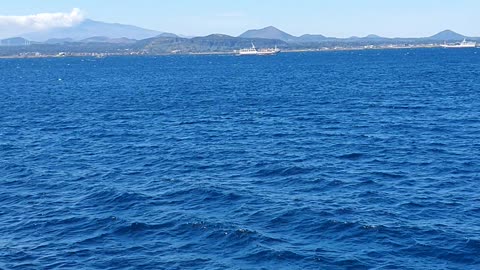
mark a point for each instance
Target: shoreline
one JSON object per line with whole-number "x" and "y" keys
{"x": 104, "y": 55}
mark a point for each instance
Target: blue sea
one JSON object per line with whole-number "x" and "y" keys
{"x": 329, "y": 160}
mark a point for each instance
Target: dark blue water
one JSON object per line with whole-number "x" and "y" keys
{"x": 336, "y": 160}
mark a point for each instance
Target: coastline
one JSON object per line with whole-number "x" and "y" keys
{"x": 326, "y": 49}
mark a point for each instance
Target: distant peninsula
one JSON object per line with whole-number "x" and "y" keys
{"x": 92, "y": 38}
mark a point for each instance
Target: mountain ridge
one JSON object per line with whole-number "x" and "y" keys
{"x": 448, "y": 35}
{"x": 90, "y": 28}
{"x": 272, "y": 32}
{"x": 93, "y": 36}
{"x": 269, "y": 32}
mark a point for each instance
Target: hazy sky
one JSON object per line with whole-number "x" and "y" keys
{"x": 340, "y": 18}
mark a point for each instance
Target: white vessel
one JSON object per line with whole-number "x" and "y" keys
{"x": 254, "y": 51}
{"x": 463, "y": 44}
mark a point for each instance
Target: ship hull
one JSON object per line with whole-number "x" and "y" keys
{"x": 258, "y": 53}
{"x": 459, "y": 47}
{"x": 254, "y": 52}
{"x": 268, "y": 53}
{"x": 463, "y": 45}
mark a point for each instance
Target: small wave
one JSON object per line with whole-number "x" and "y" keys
{"x": 203, "y": 195}
{"x": 412, "y": 205}
{"x": 139, "y": 228}
{"x": 473, "y": 244}
{"x": 290, "y": 171}
{"x": 367, "y": 183}
{"x": 390, "y": 175}
{"x": 8, "y": 147}
{"x": 115, "y": 197}
{"x": 352, "y": 156}
{"x": 273, "y": 256}
{"x": 352, "y": 264}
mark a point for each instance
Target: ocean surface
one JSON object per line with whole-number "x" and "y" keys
{"x": 331, "y": 160}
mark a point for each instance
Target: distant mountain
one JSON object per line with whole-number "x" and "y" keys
{"x": 98, "y": 37}
{"x": 58, "y": 40}
{"x": 311, "y": 38}
{"x": 374, "y": 37}
{"x": 90, "y": 28}
{"x": 108, "y": 40}
{"x": 16, "y": 41}
{"x": 367, "y": 38}
{"x": 211, "y": 43}
{"x": 447, "y": 35}
{"x": 90, "y": 31}
{"x": 167, "y": 35}
{"x": 268, "y": 33}
{"x": 274, "y": 33}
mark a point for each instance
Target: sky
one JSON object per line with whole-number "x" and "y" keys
{"x": 336, "y": 18}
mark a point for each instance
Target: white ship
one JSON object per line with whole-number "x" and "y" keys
{"x": 463, "y": 44}
{"x": 254, "y": 51}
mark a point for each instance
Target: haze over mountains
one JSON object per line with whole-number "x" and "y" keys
{"x": 274, "y": 33}
{"x": 90, "y": 28}
{"x": 91, "y": 36}
{"x": 115, "y": 32}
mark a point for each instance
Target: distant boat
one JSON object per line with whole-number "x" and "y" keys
{"x": 463, "y": 44}
{"x": 254, "y": 51}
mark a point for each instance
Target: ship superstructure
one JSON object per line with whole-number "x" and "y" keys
{"x": 463, "y": 44}
{"x": 254, "y": 51}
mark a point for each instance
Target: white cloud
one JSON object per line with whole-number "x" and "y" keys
{"x": 39, "y": 22}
